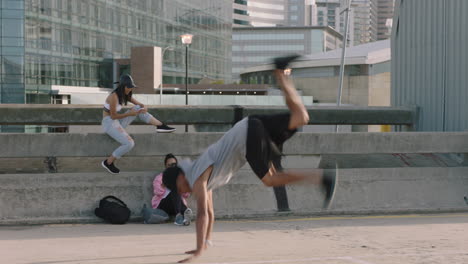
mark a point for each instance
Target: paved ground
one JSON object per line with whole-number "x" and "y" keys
{"x": 333, "y": 240}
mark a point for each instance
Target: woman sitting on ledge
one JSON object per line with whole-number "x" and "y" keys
{"x": 114, "y": 123}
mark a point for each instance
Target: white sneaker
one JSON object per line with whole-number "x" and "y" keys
{"x": 188, "y": 214}
{"x": 179, "y": 220}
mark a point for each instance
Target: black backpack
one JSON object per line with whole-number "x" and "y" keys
{"x": 113, "y": 210}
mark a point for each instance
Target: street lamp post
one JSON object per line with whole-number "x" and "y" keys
{"x": 186, "y": 40}
{"x": 343, "y": 55}
{"x": 162, "y": 65}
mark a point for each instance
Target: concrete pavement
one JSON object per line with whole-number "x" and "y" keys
{"x": 388, "y": 239}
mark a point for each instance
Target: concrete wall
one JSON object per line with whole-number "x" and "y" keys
{"x": 72, "y": 197}
{"x": 379, "y": 95}
{"x": 364, "y": 90}
{"x": 72, "y": 193}
{"x": 146, "y": 67}
{"x": 321, "y": 88}
{"x": 368, "y": 90}
{"x": 379, "y": 89}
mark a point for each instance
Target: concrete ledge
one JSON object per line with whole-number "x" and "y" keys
{"x": 375, "y": 143}
{"x": 391, "y": 190}
{"x": 101, "y": 145}
{"x": 34, "y": 114}
{"x": 25, "y": 197}
{"x": 72, "y": 197}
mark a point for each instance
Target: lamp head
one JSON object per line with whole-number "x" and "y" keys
{"x": 186, "y": 39}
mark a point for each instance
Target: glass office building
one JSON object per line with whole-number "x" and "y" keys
{"x": 75, "y": 43}
{"x": 12, "y": 51}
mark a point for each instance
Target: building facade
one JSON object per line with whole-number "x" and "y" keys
{"x": 298, "y": 13}
{"x": 258, "y": 45}
{"x": 362, "y": 26}
{"x": 366, "y": 76}
{"x": 272, "y": 13}
{"x": 76, "y": 43}
{"x": 364, "y": 13}
{"x": 328, "y": 14}
{"x": 259, "y": 13}
{"x": 384, "y": 18}
{"x": 430, "y": 62}
{"x": 12, "y": 53}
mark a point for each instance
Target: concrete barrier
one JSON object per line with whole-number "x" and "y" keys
{"x": 57, "y": 178}
{"x": 72, "y": 197}
{"x": 72, "y": 193}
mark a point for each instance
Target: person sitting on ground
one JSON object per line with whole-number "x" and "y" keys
{"x": 165, "y": 203}
{"x": 256, "y": 139}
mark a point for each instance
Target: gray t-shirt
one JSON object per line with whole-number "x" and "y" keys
{"x": 227, "y": 156}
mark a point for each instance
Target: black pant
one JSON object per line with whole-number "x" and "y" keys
{"x": 172, "y": 204}
{"x": 265, "y": 137}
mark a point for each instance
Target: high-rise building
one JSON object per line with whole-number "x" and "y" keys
{"x": 384, "y": 18}
{"x": 271, "y": 13}
{"x": 311, "y": 12}
{"x": 327, "y": 13}
{"x": 259, "y": 13}
{"x": 362, "y": 26}
{"x": 77, "y": 43}
{"x": 297, "y": 13}
{"x": 364, "y": 14}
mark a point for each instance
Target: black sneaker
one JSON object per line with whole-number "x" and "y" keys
{"x": 283, "y": 62}
{"x": 110, "y": 167}
{"x": 329, "y": 183}
{"x": 165, "y": 129}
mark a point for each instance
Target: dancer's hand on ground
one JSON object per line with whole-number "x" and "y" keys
{"x": 190, "y": 251}
{"x": 195, "y": 253}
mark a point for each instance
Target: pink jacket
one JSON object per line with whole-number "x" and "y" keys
{"x": 159, "y": 190}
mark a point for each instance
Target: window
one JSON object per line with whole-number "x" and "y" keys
{"x": 240, "y": 12}
{"x": 10, "y": 4}
{"x": 12, "y": 27}
{"x": 241, "y": 22}
{"x": 240, "y": 2}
